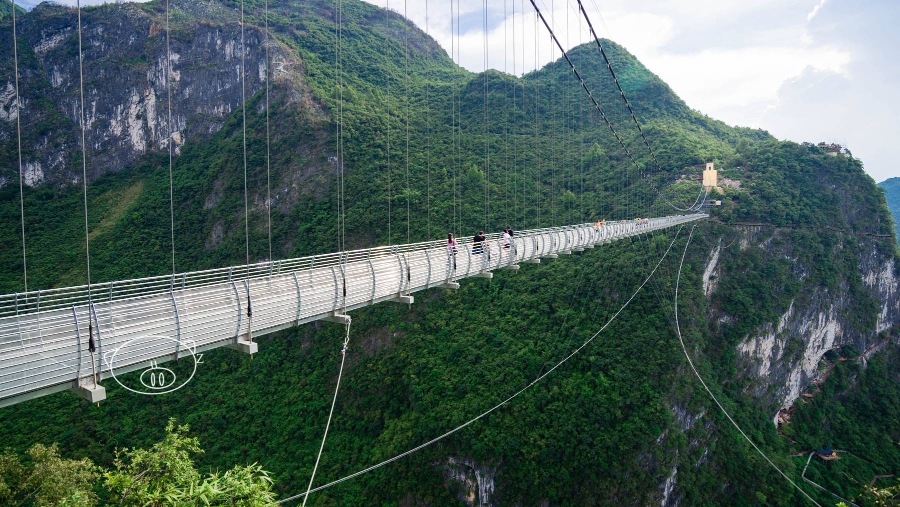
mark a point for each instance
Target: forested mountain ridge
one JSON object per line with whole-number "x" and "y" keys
{"x": 891, "y": 188}
{"x": 793, "y": 269}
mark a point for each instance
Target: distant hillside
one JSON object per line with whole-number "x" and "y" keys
{"x": 6, "y": 9}
{"x": 891, "y": 188}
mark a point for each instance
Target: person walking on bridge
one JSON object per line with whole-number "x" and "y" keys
{"x": 451, "y": 250}
{"x": 478, "y": 243}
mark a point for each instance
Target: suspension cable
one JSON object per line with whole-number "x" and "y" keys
{"x": 537, "y": 148}
{"x": 330, "y": 414}
{"x": 171, "y": 138}
{"x": 457, "y": 124}
{"x": 515, "y": 164}
{"x": 619, "y": 86}
{"x": 706, "y": 388}
{"x": 506, "y": 125}
{"x": 524, "y": 115}
{"x": 428, "y": 127}
{"x": 406, "y": 99}
{"x": 87, "y": 239}
{"x": 592, "y": 98}
{"x": 453, "y": 117}
{"x": 612, "y": 73}
{"x": 487, "y": 159}
{"x": 498, "y": 405}
{"x": 554, "y": 145}
{"x": 339, "y": 125}
{"x": 387, "y": 91}
{"x": 19, "y": 145}
{"x": 581, "y": 142}
{"x": 339, "y": 81}
{"x": 268, "y": 137}
{"x": 244, "y": 132}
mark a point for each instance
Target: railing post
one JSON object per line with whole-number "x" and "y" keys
{"x": 177, "y": 325}
{"x": 99, "y": 340}
{"x": 237, "y": 296}
{"x": 372, "y": 270}
{"x": 400, "y": 271}
{"x": 343, "y": 283}
{"x": 78, "y": 343}
{"x": 334, "y": 304}
{"x": 408, "y": 272}
{"x": 297, "y": 285}
{"x": 428, "y": 260}
{"x": 468, "y": 260}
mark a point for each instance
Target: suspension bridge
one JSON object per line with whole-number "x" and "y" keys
{"x": 78, "y": 337}
{"x": 47, "y": 337}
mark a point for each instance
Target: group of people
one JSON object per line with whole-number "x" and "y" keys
{"x": 479, "y": 240}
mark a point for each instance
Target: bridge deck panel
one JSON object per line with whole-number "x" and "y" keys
{"x": 41, "y": 350}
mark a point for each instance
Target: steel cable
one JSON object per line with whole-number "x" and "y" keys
{"x": 706, "y": 388}
{"x": 337, "y": 386}
{"x": 495, "y": 407}
{"x": 19, "y": 143}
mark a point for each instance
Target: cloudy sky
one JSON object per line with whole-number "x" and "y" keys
{"x": 805, "y": 70}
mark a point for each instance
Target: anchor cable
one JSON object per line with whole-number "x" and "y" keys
{"x": 498, "y": 405}
{"x": 337, "y": 386}
{"x": 707, "y": 389}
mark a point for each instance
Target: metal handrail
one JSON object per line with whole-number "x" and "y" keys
{"x": 41, "y": 346}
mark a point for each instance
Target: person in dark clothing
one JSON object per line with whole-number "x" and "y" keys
{"x": 451, "y": 251}
{"x": 478, "y": 243}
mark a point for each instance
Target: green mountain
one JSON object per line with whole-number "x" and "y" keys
{"x": 891, "y": 188}
{"x": 6, "y": 9}
{"x": 794, "y": 272}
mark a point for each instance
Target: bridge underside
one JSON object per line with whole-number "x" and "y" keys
{"x": 45, "y": 335}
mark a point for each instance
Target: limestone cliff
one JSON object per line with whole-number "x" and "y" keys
{"x": 125, "y": 68}
{"x": 781, "y": 358}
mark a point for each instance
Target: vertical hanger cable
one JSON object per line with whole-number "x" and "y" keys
{"x": 387, "y": 90}
{"x": 487, "y": 160}
{"x": 428, "y": 123}
{"x": 19, "y": 145}
{"x": 244, "y": 132}
{"x": 268, "y": 137}
{"x": 406, "y": 99}
{"x": 87, "y": 239}
{"x": 171, "y": 138}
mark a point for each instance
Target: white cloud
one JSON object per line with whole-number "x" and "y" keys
{"x": 815, "y": 10}
{"x": 714, "y": 79}
{"x": 738, "y": 61}
{"x": 746, "y": 63}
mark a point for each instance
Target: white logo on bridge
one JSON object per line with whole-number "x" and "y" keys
{"x": 155, "y": 379}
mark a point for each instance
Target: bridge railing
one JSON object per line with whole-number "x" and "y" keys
{"x": 44, "y": 334}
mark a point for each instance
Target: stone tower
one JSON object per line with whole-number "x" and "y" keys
{"x": 710, "y": 176}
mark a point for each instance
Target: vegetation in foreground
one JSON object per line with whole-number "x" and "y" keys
{"x": 162, "y": 475}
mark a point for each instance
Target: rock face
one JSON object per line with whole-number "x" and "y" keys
{"x": 476, "y": 481}
{"x": 783, "y": 357}
{"x": 126, "y": 113}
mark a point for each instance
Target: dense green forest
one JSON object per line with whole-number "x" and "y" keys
{"x": 485, "y": 151}
{"x": 891, "y": 187}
